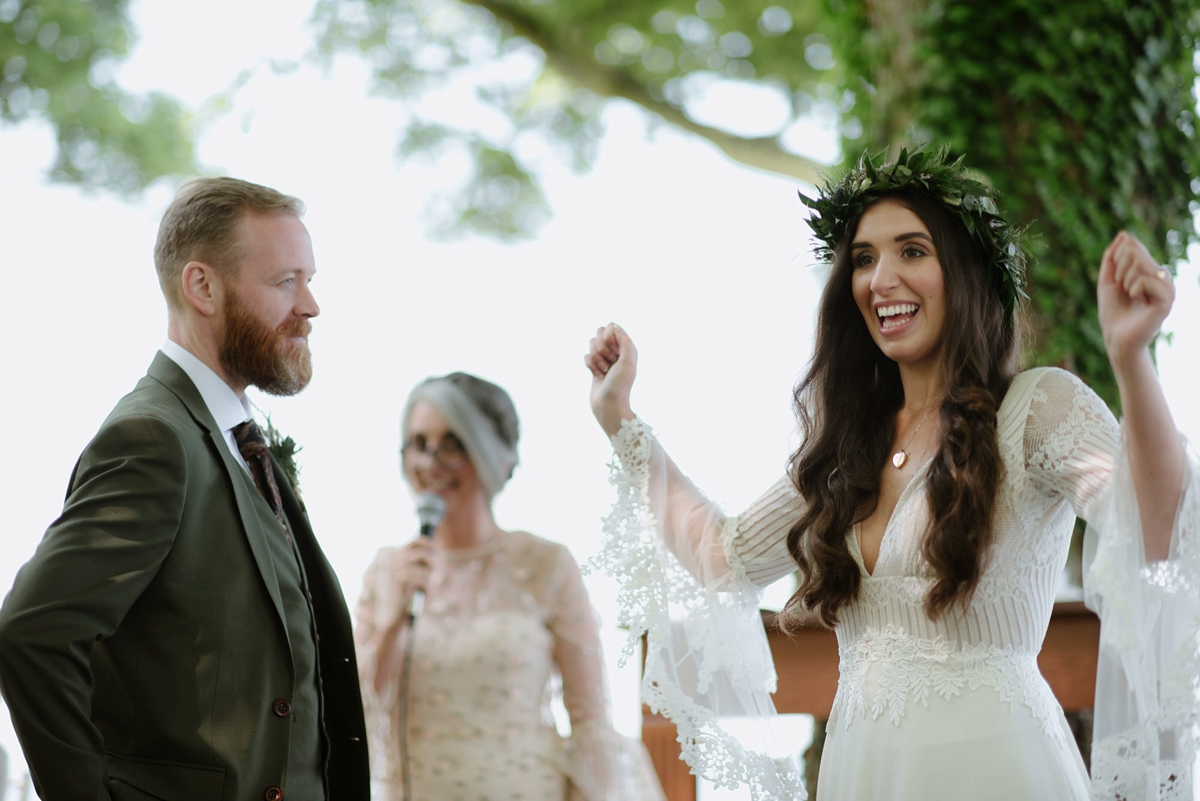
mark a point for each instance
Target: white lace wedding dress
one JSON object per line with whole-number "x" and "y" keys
{"x": 927, "y": 710}
{"x": 502, "y": 623}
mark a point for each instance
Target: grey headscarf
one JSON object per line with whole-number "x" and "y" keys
{"x": 481, "y": 415}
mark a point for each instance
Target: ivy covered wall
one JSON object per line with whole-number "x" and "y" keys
{"x": 1081, "y": 112}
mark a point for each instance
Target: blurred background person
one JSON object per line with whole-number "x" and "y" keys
{"x": 505, "y": 626}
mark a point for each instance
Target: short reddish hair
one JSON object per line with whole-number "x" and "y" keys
{"x": 201, "y": 225}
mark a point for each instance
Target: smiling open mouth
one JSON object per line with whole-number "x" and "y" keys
{"x": 896, "y": 315}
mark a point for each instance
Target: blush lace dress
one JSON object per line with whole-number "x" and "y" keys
{"x": 927, "y": 710}
{"x": 506, "y": 626}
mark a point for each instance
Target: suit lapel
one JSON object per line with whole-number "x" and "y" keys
{"x": 258, "y": 521}
{"x": 316, "y": 567}
{"x": 342, "y": 715}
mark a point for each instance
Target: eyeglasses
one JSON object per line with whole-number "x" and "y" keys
{"x": 449, "y": 453}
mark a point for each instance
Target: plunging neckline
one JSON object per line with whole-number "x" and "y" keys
{"x": 856, "y": 545}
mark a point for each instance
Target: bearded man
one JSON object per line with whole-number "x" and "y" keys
{"x": 178, "y": 634}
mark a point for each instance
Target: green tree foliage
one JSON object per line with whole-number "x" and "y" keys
{"x": 1081, "y": 112}
{"x": 56, "y": 63}
{"x": 546, "y": 66}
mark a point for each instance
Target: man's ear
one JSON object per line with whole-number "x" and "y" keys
{"x": 202, "y": 287}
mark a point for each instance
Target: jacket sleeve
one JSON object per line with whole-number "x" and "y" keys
{"x": 118, "y": 524}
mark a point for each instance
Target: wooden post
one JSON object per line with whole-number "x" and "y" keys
{"x": 659, "y": 736}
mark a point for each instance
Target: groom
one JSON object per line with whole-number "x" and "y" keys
{"x": 179, "y": 634}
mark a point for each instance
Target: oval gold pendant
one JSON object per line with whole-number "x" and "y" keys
{"x": 899, "y": 458}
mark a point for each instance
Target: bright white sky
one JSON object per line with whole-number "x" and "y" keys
{"x": 706, "y": 264}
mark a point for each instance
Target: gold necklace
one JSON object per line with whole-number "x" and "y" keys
{"x": 900, "y": 457}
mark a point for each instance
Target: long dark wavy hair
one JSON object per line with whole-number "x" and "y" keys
{"x": 847, "y": 405}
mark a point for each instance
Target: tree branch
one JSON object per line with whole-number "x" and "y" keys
{"x": 573, "y": 61}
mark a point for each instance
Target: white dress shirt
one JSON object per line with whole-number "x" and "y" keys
{"x": 223, "y": 403}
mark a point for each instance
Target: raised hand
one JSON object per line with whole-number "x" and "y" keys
{"x": 1134, "y": 295}
{"x": 612, "y": 360}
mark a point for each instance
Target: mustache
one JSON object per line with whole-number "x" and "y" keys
{"x": 296, "y": 328}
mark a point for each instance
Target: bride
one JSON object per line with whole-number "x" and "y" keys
{"x": 928, "y": 511}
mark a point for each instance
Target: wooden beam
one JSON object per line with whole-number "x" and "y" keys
{"x": 659, "y": 737}
{"x": 807, "y": 666}
{"x": 1069, "y": 655}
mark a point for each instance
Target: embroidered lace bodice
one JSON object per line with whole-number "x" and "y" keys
{"x": 1059, "y": 443}
{"x": 506, "y": 626}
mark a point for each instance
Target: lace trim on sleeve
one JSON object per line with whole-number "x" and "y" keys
{"x": 628, "y": 553}
{"x": 1148, "y": 678}
{"x": 706, "y": 650}
{"x": 631, "y": 446}
{"x": 737, "y": 566}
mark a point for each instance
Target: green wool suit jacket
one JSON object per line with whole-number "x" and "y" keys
{"x": 143, "y": 647}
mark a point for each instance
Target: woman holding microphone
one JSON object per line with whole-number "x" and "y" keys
{"x": 505, "y": 626}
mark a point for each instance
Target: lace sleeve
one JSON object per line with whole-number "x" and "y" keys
{"x": 603, "y": 765}
{"x": 684, "y": 571}
{"x": 576, "y": 643}
{"x": 1148, "y": 678}
{"x": 378, "y": 594}
{"x": 1148, "y": 675}
{"x": 1071, "y": 440}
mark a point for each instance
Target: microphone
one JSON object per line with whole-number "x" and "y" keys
{"x": 430, "y": 511}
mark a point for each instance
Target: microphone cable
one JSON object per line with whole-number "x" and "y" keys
{"x": 430, "y": 511}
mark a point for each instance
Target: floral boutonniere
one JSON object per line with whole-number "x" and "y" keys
{"x": 284, "y": 449}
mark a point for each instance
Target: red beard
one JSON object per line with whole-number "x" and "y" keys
{"x": 264, "y": 356}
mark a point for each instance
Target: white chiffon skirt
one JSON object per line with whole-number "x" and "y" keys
{"x": 974, "y": 747}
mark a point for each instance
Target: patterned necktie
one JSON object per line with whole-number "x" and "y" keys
{"x": 253, "y": 447}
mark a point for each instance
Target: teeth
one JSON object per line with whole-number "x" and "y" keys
{"x": 900, "y": 308}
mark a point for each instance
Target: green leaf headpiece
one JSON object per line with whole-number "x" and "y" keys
{"x": 837, "y": 204}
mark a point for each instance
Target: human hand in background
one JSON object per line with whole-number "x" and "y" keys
{"x": 1134, "y": 295}
{"x": 612, "y": 360}
{"x": 409, "y": 567}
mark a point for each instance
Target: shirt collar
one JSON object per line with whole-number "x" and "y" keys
{"x": 223, "y": 403}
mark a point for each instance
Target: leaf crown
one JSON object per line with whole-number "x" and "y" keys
{"x": 839, "y": 203}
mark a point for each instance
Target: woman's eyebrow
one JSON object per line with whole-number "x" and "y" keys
{"x": 900, "y": 238}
